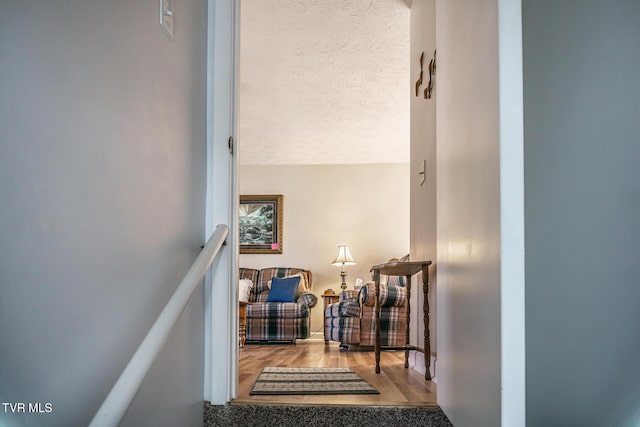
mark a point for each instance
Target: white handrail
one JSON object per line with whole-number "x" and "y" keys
{"x": 121, "y": 395}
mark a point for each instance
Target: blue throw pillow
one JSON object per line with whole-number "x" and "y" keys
{"x": 283, "y": 290}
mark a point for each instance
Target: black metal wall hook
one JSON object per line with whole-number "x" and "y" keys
{"x": 419, "y": 81}
{"x": 432, "y": 71}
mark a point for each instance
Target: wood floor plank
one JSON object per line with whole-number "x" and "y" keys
{"x": 398, "y": 386}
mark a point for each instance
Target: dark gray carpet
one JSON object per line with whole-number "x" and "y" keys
{"x": 241, "y": 415}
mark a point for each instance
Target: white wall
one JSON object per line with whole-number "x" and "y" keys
{"x": 582, "y": 146}
{"x": 363, "y": 206}
{"x": 423, "y": 197}
{"x": 480, "y": 213}
{"x": 468, "y": 212}
{"x": 102, "y": 176}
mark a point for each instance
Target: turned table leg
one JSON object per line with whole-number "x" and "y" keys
{"x": 243, "y": 323}
{"x": 407, "y": 341}
{"x": 427, "y": 338}
{"x": 376, "y": 275}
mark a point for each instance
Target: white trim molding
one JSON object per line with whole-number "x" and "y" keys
{"x": 220, "y": 290}
{"x": 512, "y": 277}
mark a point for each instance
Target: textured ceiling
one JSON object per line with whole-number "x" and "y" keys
{"x": 324, "y": 81}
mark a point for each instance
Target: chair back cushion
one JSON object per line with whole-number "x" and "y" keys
{"x": 397, "y": 281}
{"x": 250, "y": 274}
{"x": 349, "y": 295}
{"x": 266, "y": 274}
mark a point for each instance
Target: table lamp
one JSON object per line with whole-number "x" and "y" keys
{"x": 343, "y": 258}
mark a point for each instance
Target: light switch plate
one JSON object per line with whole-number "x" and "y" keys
{"x": 166, "y": 17}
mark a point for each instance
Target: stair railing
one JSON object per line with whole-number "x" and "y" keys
{"x": 123, "y": 392}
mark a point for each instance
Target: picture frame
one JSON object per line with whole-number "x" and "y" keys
{"x": 260, "y": 223}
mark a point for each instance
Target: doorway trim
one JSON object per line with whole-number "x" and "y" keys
{"x": 221, "y": 298}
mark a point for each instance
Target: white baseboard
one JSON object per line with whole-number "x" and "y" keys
{"x": 316, "y": 336}
{"x": 416, "y": 362}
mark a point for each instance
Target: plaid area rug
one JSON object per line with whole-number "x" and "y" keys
{"x": 311, "y": 381}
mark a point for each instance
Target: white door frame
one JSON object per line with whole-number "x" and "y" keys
{"x": 221, "y": 297}
{"x": 512, "y": 277}
{"x": 221, "y": 317}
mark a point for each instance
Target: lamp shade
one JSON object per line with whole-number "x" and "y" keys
{"x": 344, "y": 257}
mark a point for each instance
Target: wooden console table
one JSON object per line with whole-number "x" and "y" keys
{"x": 406, "y": 269}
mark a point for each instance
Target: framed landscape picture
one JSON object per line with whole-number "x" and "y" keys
{"x": 260, "y": 224}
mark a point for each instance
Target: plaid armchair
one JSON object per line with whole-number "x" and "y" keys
{"x": 277, "y": 321}
{"x": 351, "y": 321}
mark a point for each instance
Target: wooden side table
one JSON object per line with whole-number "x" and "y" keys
{"x": 242, "y": 322}
{"x": 328, "y": 299}
{"x": 406, "y": 269}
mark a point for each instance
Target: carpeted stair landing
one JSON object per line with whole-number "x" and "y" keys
{"x": 329, "y": 416}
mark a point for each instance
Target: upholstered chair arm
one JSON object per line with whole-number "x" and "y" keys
{"x": 343, "y": 309}
{"x": 390, "y": 295}
{"x": 308, "y": 299}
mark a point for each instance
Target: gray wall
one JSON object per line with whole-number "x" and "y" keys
{"x": 582, "y": 187}
{"x": 102, "y": 183}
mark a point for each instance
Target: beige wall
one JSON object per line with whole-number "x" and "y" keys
{"x": 363, "y": 206}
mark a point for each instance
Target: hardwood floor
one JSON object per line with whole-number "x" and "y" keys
{"x": 398, "y": 386}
